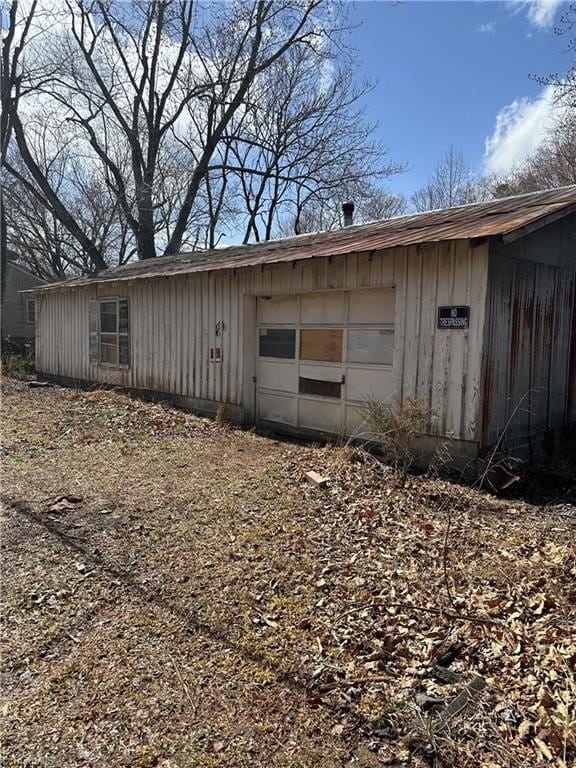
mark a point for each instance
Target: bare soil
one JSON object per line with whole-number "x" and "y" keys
{"x": 177, "y": 594}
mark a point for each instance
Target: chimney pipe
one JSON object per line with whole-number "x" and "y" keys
{"x": 348, "y": 211}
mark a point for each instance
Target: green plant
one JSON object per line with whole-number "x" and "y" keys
{"x": 389, "y": 714}
{"x": 19, "y": 367}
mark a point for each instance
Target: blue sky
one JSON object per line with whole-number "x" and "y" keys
{"x": 449, "y": 72}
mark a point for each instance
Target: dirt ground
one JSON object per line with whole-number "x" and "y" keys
{"x": 175, "y": 593}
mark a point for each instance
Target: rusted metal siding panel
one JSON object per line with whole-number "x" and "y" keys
{"x": 477, "y": 291}
{"x": 563, "y": 404}
{"x": 521, "y": 392}
{"x": 542, "y": 343}
{"x": 570, "y": 398}
{"x": 497, "y": 357}
{"x": 526, "y": 376}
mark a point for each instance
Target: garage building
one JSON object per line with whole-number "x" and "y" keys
{"x": 469, "y": 310}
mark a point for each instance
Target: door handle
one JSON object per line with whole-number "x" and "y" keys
{"x": 343, "y": 379}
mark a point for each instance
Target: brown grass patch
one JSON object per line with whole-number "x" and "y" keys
{"x": 201, "y": 604}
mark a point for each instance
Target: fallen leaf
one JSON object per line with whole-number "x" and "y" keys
{"x": 543, "y": 748}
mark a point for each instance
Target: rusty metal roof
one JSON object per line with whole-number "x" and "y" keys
{"x": 507, "y": 218}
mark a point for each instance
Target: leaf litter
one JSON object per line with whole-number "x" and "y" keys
{"x": 176, "y": 593}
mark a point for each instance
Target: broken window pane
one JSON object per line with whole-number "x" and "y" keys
{"x": 319, "y": 387}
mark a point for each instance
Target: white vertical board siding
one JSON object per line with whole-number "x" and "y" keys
{"x": 173, "y": 324}
{"x": 441, "y": 367}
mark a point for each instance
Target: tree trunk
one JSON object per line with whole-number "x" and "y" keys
{"x": 3, "y": 247}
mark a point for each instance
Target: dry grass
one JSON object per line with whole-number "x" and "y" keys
{"x": 394, "y": 428}
{"x": 194, "y": 602}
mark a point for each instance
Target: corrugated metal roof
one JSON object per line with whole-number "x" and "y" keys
{"x": 509, "y": 217}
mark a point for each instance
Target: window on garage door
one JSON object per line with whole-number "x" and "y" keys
{"x": 321, "y": 356}
{"x": 373, "y": 346}
{"x": 278, "y": 342}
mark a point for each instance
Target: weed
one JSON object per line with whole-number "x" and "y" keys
{"x": 19, "y": 367}
{"x": 222, "y": 417}
{"x": 395, "y": 427}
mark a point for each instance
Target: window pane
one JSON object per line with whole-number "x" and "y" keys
{"x": 108, "y": 352}
{"x": 278, "y": 342}
{"x": 371, "y": 346}
{"x": 324, "y": 345}
{"x": 318, "y": 387}
{"x": 108, "y": 323}
{"x": 31, "y": 310}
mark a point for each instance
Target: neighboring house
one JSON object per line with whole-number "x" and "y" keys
{"x": 19, "y": 309}
{"x": 470, "y": 310}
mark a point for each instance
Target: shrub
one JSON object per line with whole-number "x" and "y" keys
{"x": 394, "y": 428}
{"x": 19, "y": 366}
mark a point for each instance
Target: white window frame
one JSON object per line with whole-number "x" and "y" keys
{"x": 111, "y": 300}
{"x": 30, "y": 303}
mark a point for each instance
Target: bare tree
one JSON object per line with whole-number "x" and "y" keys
{"x": 451, "y": 183}
{"x": 373, "y": 204}
{"x": 377, "y": 203}
{"x": 194, "y": 122}
{"x": 25, "y": 73}
{"x": 565, "y": 85}
{"x": 11, "y": 84}
{"x": 301, "y": 145}
{"x": 42, "y": 243}
{"x": 551, "y": 165}
{"x": 134, "y": 78}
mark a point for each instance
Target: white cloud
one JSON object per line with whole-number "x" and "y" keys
{"x": 541, "y": 13}
{"x": 520, "y": 128}
{"x": 487, "y": 29}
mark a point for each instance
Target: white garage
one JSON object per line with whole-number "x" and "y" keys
{"x": 321, "y": 356}
{"x": 468, "y": 312}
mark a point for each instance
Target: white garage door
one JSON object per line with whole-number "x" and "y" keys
{"x": 321, "y": 356}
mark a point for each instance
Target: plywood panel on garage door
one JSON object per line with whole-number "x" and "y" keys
{"x": 321, "y": 344}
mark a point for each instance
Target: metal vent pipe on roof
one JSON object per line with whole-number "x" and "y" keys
{"x": 348, "y": 212}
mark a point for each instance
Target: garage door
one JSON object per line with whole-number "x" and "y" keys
{"x": 321, "y": 356}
